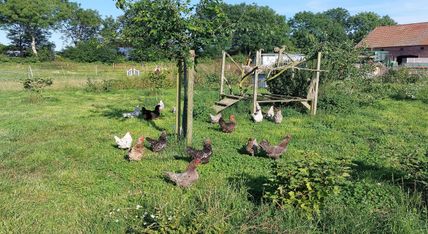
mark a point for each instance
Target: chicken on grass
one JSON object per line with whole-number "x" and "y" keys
{"x": 227, "y": 127}
{"x": 275, "y": 151}
{"x": 125, "y": 142}
{"x": 252, "y": 146}
{"x": 159, "y": 144}
{"x": 204, "y": 155}
{"x": 136, "y": 153}
{"x": 186, "y": 178}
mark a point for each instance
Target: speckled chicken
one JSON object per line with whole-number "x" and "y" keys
{"x": 187, "y": 178}
{"x": 227, "y": 127}
{"x": 204, "y": 155}
{"x": 275, "y": 151}
{"x": 151, "y": 114}
{"x": 160, "y": 143}
{"x": 136, "y": 152}
{"x": 277, "y": 118}
{"x": 252, "y": 146}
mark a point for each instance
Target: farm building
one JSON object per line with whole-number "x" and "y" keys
{"x": 405, "y": 45}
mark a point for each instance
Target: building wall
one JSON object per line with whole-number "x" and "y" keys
{"x": 395, "y": 52}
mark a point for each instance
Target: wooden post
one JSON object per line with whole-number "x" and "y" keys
{"x": 256, "y": 81}
{"x": 190, "y": 82}
{"x": 178, "y": 100}
{"x": 314, "y": 102}
{"x": 223, "y": 66}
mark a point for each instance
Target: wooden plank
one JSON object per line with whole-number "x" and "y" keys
{"x": 236, "y": 64}
{"x": 314, "y": 103}
{"x": 306, "y": 104}
{"x": 223, "y": 65}
{"x": 256, "y": 81}
{"x": 225, "y": 103}
{"x": 190, "y": 84}
{"x": 178, "y": 101}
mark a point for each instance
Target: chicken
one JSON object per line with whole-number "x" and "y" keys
{"x": 204, "y": 155}
{"x": 161, "y": 105}
{"x": 136, "y": 153}
{"x": 125, "y": 142}
{"x": 151, "y": 115}
{"x": 215, "y": 118}
{"x": 258, "y": 116}
{"x": 174, "y": 110}
{"x": 277, "y": 118}
{"x": 270, "y": 113}
{"x": 275, "y": 151}
{"x": 187, "y": 178}
{"x": 252, "y": 146}
{"x": 227, "y": 127}
{"x": 159, "y": 144}
{"x": 135, "y": 113}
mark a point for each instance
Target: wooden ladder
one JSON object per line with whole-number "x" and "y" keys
{"x": 226, "y": 102}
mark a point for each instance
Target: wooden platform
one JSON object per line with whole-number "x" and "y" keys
{"x": 226, "y": 102}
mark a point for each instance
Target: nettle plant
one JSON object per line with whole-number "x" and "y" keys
{"x": 36, "y": 84}
{"x": 306, "y": 183}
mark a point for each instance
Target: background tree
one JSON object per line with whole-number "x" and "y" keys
{"x": 363, "y": 23}
{"x": 32, "y": 16}
{"x": 309, "y": 28}
{"x": 256, "y": 27}
{"x": 22, "y": 40}
{"x": 82, "y": 24}
{"x": 171, "y": 27}
{"x": 111, "y": 31}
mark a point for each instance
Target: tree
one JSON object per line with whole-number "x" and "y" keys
{"x": 111, "y": 30}
{"x": 361, "y": 24}
{"x": 82, "y": 24}
{"x": 171, "y": 26}
{"x": 256, "y": 27}
{"x": 32, "y": 16}
{"x": 339, "y": 15}
{"x": 309, "y": 28}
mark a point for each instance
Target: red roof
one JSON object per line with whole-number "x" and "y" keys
{"x": 398, "y": 35}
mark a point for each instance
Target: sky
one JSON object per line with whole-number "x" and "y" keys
{"x": 402, "y": 11}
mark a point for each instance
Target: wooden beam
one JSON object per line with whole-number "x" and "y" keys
{"x": 256, "y": 80}
{"x": 223, "y": 66}
{"x": 233, "y": 61}
{"x": 190, "y": 83}
{"x": 178, "y": 100}
{"x": 317, "y": 80}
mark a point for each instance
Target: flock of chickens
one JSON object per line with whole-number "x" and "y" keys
{"x": 202, "y": 156}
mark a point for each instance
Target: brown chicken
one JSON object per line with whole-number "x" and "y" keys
{"x": 275, "y": 151}
{"x": 136, "y": 152}
{"x": 227, "y": 127}
{"x": 187, "y": 178}
{"x": 159, "y": 144}
{"x": 151, "y": 114}
{"x": 252, "y": 146}
{"x": 204, "y": 155}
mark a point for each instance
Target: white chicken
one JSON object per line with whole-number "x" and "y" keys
{"x": 161, "y": 105}
{"x": 215, "y": 118}
{"x": 270, "y": 113}
{"x": 124, "y": 142}
{"x": 258, "y": 116}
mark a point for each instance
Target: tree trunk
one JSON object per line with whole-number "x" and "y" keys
{"x": 33, "y": 45}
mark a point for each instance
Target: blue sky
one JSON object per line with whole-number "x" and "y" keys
{"x": 402, "y": 11}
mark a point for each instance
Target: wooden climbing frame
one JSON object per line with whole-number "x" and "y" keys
{"x": 227, "y": 100}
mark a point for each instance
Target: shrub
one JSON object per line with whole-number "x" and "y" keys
{"x": 290, "y": 84}
{"x": 401, "y": 76}
{"x": 99, "y": 86}
{"x": 305, "y": 183}
{"x": 36, "y": 84}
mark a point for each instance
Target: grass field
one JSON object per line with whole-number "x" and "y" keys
{"x": 60, "y": 171}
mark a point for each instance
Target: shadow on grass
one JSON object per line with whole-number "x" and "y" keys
{"x": 253, "y": 185}
{"x": 392, "y": 176}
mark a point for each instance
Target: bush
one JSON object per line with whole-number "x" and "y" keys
{"x": 291, "y": 85}
{"x": 401, "y": 76}
{"x": 92, "y": 51}
{"x": 36, "y": 84}
{"x": 305, "y": 183}
{"x": 99, "y": 86}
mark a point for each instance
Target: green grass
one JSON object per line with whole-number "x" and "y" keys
{"x": 60, "y": 171}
